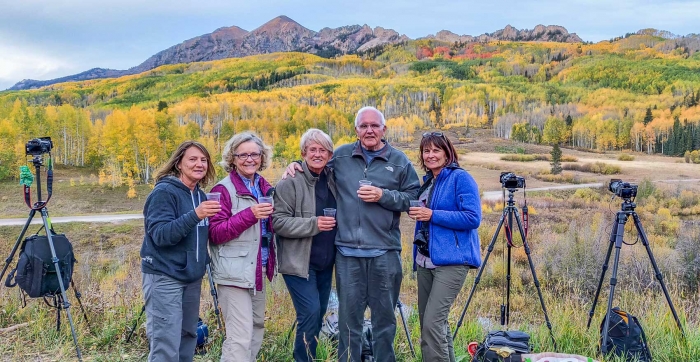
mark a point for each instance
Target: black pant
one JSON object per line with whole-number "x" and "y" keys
{"x": 363, "y": 282}
{"x": 310, "y": 298}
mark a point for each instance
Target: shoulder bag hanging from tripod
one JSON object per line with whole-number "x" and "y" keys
{"x": 35, "y": 272}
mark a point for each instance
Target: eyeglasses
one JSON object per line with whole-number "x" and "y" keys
{"x": 364, "y": 127}
{"x": 322, "y": 151}
{"x": 244, "y": 156}
{"x": 436, "y": 134}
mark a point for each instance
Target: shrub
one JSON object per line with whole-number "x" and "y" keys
{"x": 510, "y": 149}
{"x": 597, "y": 167}
{"x": 520, "y": 158}
{"x": 625, "y": 157}
{"x": 539, "y": 157}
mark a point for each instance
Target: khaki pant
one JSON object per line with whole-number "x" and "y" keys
{"x": 437, "y": 290}
{"x": 244, "y": 316}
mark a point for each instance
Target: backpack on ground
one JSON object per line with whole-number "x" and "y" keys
{"x": 626, "y": 337}
{"x": 502, "y": 346}
{"x": 36, "y": 273}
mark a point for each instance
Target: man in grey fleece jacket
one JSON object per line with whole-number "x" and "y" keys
{"x": 368, "y": 261}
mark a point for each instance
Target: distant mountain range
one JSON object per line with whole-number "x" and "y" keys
{"x": 283, "y": 34}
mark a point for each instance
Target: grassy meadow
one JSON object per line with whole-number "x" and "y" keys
{"x": 569, "y": 235}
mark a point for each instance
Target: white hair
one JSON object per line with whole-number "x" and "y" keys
{"x": 228, "y": 162}
{"x": 318, "y": 136}
{"x": 369, "y": 109}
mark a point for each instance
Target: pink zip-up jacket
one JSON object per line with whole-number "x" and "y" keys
{"x": 230, "y": 238}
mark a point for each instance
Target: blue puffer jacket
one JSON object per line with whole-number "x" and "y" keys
{"x": 453, "y": 236}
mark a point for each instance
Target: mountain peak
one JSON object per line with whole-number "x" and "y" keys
{"x": 281, "y": 22}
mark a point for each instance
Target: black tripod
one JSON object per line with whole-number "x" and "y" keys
{"x": 40, "y": 206}
{"x": 616, "y": 235}
{"x": 509, "y": 212}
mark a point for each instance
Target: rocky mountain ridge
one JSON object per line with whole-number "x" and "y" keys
{"x": 283, "y": 34}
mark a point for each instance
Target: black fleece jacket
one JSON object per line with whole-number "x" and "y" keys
{"x": 175, "y": 240}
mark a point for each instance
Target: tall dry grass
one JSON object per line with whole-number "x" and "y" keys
{"x": 569, "y": 236}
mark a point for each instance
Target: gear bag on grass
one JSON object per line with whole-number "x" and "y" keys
{"x": 36, "y": 273}
{"x": 626, "y": 337}
{"x": 503, "y": 346}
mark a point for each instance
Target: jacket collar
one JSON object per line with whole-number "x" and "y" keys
{"x": 383, "y": 153}
{"x": 449, "y": 168}
{"x": 309, "y": 177}
{"x": 241, "y": 189}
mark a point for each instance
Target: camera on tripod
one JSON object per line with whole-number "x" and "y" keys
{"x": 39, "y": 146}
{"x": 510, "y": 181}
{"x": 622, "y": 189}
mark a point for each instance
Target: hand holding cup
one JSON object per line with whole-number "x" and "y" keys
{"x": 369, "y": 193}
{"x": 263, "y": 209}
{"x": 210, "y": 207}
{"x": 327, "y": 221}
{"x": 417, "y": 211}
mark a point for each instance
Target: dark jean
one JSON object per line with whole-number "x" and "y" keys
{"x": 310, "y": 298}
{"x": 363, "y": 282}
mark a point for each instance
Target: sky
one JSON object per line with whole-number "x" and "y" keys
{"x": 51, "y": 39}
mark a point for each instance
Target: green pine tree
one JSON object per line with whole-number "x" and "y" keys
{"x": 556, "y": 159}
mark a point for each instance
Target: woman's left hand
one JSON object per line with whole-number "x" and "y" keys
{"x": 420, "y": 213}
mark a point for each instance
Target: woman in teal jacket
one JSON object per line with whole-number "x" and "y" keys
{"x": 446, "y": 242}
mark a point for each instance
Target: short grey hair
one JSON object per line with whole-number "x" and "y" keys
{"x": 369, "y": 109}
{"x": 228, "y": 158}
{"x": 317, "y": 136}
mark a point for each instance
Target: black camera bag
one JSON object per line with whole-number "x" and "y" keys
{"x": 626, "y": 337}
{"x": 503, "y": 346}
{"x": 36, "y": 273}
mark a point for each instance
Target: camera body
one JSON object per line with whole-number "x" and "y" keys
{"x": 39, "y": 146}
{"x": 421, "y": 241}
{"x": 622, "y": 189}
{"x": 510, "y": 181}
{"x": 266, "y": 239}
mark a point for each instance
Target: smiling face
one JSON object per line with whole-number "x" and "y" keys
{"x": 192, "y": 166}
{"x": 247, "y": 159}
{"x": 370, "y": 130}
{"x": 316, "y": 157}
{"x": 434, "y": 158}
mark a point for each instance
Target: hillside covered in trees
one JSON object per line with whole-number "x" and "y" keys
{"x": 639, "y": 92}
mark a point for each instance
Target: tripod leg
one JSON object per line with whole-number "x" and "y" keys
{"x": 534, "y": 276}
{"x": 478, "y": 274}
{"x": 505, "y": 310}
{"x": 66, "y": 305}
{"x": 16, "y": 246}
{"x": 133, "y": 329}
{"x": 658, "y": 274}
{"x": 214, "y": 296}
{"x": 77, "y": 296}
{"x": 405, "y": 327}
{"x": 613, "y": 232}
{"x": 619, "y": 232}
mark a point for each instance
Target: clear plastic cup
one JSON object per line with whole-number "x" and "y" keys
{"x": 214, "y": 196}
{"x": 416, "y": 203}
{"x": 365, "y": 183}
{"x": 265, "y": 200}
{"x": 329, "y": 212}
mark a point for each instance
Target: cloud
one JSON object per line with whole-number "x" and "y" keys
{"x": 59, "y": 38}
{"x": 22, "y": 62}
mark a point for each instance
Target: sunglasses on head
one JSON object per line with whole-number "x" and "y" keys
{"x": 436, "y": 134}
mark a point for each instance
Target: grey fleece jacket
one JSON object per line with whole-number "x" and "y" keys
{"x": 175, "y": 240}
{"x": 372, "y": 225}
{"x": 295, "y": 222}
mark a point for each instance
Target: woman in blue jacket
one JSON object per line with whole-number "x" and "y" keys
{"x": 446, "y": 242}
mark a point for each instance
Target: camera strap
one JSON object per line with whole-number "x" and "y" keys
{"x": 49, "y": 187}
